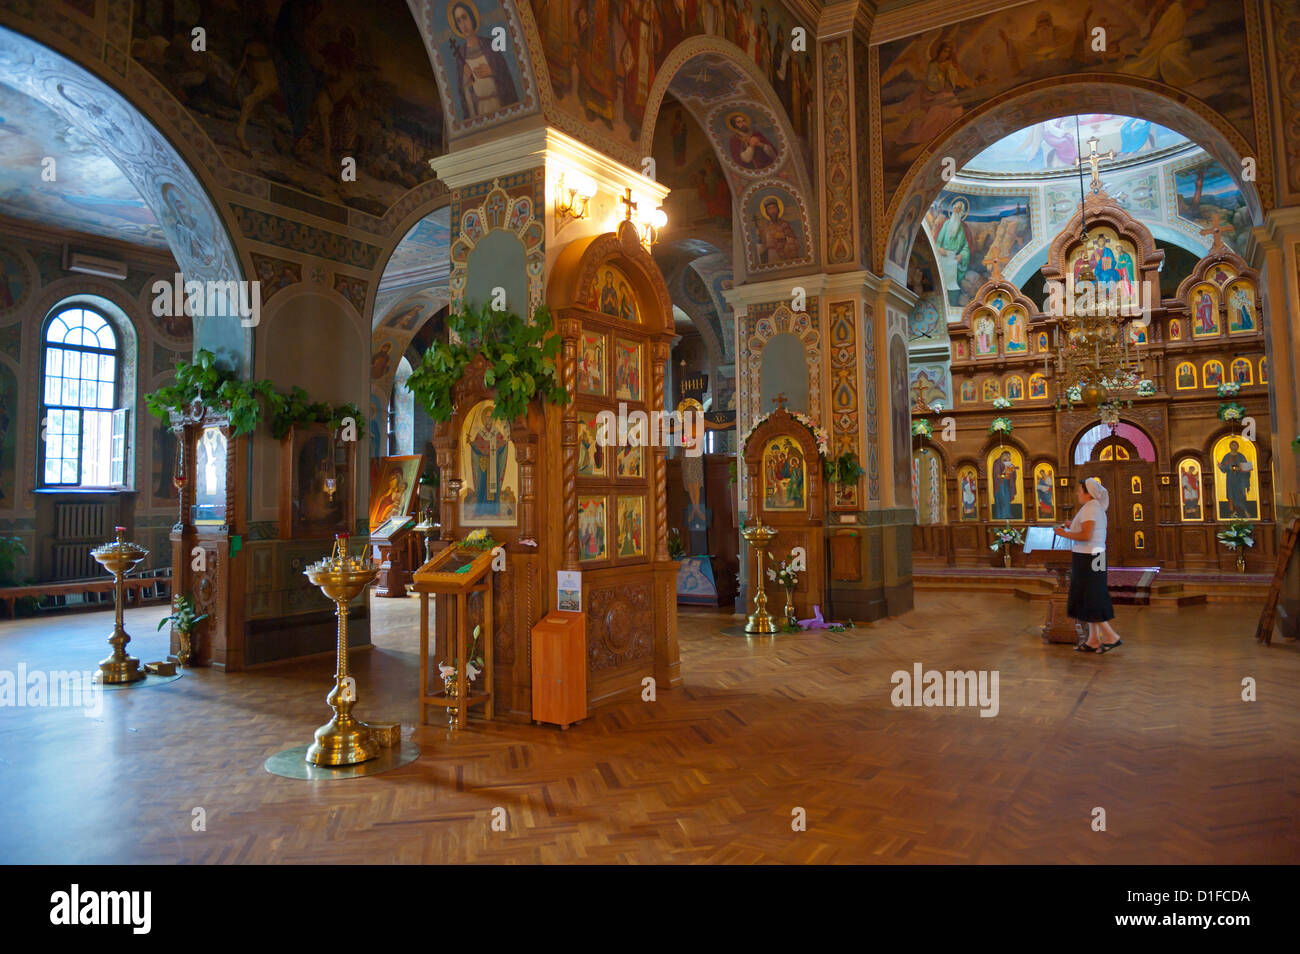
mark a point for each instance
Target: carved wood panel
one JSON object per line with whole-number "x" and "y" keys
{"x": 620, "y": 622}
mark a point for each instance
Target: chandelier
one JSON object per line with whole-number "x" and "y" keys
{"x": 1097, "y": 358}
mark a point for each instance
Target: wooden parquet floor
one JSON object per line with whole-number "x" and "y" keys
{"x": 1156, "y": 734}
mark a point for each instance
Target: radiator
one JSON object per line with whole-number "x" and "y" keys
{"x": 72, "y": 561}
{"x": 78, "y": 529}
{"x": 81, "y": 521}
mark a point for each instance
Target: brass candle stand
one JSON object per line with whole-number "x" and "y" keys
{"x": 118, "y": 558}
{"x": 344, "y": 740}
{"x": 427, "y": 527}
{"x": 760, "y": 622}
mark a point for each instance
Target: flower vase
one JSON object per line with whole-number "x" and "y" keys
{"x": 1241, "y": 559}
{"x": 449, "y": 691}
{"x": 791, "y": 619}
{"x": 185, "y": 648}
{"x": 1006, "y": 557}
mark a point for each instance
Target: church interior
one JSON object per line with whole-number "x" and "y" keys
{"x": 634, "y": 431}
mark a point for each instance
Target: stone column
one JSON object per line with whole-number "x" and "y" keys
{"x": 1277, "y": 255}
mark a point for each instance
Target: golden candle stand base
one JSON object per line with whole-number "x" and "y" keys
{"x": 292, "y": 763}
{"x": 150, "y": 679}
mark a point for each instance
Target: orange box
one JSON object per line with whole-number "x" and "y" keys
{"x": 559, "y": 654}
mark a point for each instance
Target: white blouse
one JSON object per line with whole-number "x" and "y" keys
{"x": 1093, "y": 511}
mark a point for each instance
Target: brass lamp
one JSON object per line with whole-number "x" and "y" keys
{"x": 344, "y": 740}
{"x": 118, "y": 558}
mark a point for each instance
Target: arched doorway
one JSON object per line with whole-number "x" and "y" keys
{"x": 1124, "y": 460}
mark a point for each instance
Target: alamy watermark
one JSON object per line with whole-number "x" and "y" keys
{"x": 1103, "y": 296}
{"x": 637, "y": 428}
{"x": 209, "y": 299}
{"x": 947, "y": 688}
{"x": 39, "y": 688}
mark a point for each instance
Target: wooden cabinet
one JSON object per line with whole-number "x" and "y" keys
{"x": 559, "y": 654}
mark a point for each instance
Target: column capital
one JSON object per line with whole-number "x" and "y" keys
{"x": 837, "y": 19}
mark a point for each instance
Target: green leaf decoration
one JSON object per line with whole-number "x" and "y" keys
{"x": 245, "y": 403}
{"x": 520, "y": 358}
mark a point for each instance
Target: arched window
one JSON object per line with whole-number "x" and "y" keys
{"x": 1101, "y": 433}
{"x": 84, "y": 441}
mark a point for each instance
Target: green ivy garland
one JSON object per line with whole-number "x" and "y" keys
{"x": 520, "y": 362}
{"x": 243, "y": 402}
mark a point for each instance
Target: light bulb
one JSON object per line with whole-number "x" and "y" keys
{"x": 658, "y": 218}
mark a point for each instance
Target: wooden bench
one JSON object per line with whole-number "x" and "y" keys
{"x": 135, "y": 587}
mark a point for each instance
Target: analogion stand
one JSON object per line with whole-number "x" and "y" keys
{"x": 1043, "y": 546}
{"x": 455, "y": 573}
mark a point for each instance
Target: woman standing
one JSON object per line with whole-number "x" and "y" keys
{"x": 1089, "y": 594}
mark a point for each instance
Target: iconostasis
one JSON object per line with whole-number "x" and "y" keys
{"x": 1189, "y": 454}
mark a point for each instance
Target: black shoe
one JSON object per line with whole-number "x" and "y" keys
{"x": 1085, "y": 648}
{"x": 1107, "y": 647}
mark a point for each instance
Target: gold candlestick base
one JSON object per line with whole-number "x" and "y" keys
{"x": 118, "y": 558}
{"x": 344, "y": 740}
{"x": 760, "y": 622}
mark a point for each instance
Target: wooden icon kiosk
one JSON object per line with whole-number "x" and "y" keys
{"x": 784, "y": 469}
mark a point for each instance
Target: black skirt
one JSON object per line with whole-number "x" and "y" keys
{"x": 1089, "y": 595}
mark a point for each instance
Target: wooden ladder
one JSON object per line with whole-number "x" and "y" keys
{"x": 1264, "y": 632}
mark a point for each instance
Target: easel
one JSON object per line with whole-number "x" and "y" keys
{"x": 455, "y": 573}
{"x": 1264, "y": 631}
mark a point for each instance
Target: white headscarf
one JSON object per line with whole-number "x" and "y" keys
{"x": 1098, "y": 492}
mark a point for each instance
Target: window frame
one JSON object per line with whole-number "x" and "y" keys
{"x": 116, "y": 352}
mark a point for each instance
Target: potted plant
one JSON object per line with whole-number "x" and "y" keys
{"x": 844, "y": 470}
{"x": 1004, "y": 538}
{"x": 183, "y": 622}
{"x": 676, "y": 549}
{"x": 784, "y": 574}
{"x": 921, "y": 427}
{"x": 1238, "y": 536}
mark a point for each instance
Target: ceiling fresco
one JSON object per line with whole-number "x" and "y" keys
{"x": 51, "y": 174}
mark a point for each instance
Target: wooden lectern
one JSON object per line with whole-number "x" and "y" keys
{"x": 1042, "y": 546}
{"x": 455, "y": 573}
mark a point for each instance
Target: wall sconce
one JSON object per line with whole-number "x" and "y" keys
{"x": 650, "y": 227}
{"x": 573, "y": 197}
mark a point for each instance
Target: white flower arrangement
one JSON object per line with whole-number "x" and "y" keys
{"x": 1001, "y": 425}
{"x": 1229, "y": 389}
{"x": 1109, "y": 414}
{"x": 1146, "y": 388}
{"x": 1074, "y": 393}
{"x": 447, "y": 671}
{"x": 922, "y": 428}
{"x": 784, "y": 574}
{"x": 1001, "y": 403}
